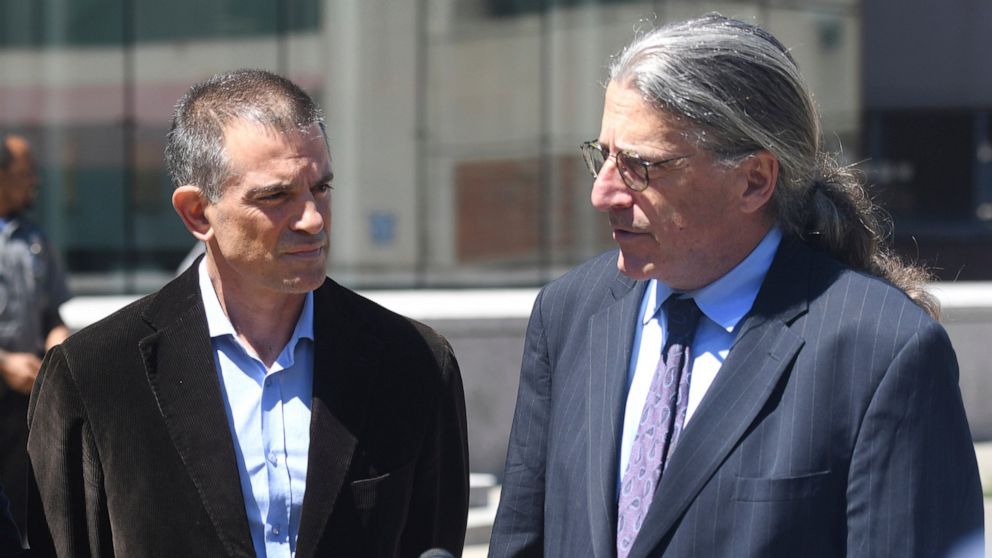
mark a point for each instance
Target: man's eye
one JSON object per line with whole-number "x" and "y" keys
{"x": 322, "y": 188}
{"x": 630, "y": 158}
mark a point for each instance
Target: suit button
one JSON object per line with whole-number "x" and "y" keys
{"x": 275, "y": 530}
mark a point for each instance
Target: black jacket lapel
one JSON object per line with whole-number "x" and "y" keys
{"x": 345, "y": 368}
{"x": 180, "y": 367}
{"x": 611, "y": 332}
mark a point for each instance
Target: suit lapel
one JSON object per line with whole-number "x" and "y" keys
{"x": 764, "y": 348}
{"x": 611, "y": 332}
{"x": 345, "y": 368}
{"x": 179, "y": 363}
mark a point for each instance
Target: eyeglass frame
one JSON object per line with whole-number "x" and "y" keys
{"x": 624, "y": 160}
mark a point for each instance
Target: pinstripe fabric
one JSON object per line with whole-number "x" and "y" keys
{"x": 835, "y": 427}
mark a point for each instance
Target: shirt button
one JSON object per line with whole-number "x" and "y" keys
{"x": 275, "y": 530}
{"x": 274, "y": 458}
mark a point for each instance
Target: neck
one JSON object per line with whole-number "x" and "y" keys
{"x": 713, "y": 267}
{"x": 263, "y": 321}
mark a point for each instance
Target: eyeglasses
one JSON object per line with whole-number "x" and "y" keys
{"x": 633, "y": 170}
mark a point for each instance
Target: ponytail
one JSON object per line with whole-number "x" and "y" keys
{"x": 842, "y": 220}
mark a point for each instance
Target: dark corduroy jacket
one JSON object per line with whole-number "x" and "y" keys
{"x": 133, "y": 456}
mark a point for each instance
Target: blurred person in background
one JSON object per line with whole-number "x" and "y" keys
{"x": 32, "y": 287}
{"x": 252, "y": 406}
{"x": 752, "y": 372}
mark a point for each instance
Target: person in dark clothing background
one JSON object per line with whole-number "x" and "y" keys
{"x": 32, "y": 287}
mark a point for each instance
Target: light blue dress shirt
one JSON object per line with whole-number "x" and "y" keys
{"x": 268, "y": 411}
{"x": 723, "y": 303}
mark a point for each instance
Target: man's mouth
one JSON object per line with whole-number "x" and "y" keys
{"x": 306, "y": 251}
{"x": 620, "y": 234}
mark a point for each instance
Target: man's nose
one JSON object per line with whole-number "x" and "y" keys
{"x": 311, "y": 220}
{"x": 609, "y": 190}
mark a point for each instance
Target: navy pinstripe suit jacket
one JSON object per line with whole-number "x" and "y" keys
{"x": 834, "y": 428}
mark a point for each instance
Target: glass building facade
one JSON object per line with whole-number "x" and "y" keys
{"x": 454, "y": 124}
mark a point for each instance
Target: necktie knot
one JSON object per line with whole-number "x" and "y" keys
{"x": 683, "y": 317}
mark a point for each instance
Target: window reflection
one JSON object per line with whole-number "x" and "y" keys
{"x": 453, "y": 123}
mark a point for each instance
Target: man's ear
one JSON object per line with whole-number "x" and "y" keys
{"x": 191, "y": 205}
{"x": 761, "y": 174}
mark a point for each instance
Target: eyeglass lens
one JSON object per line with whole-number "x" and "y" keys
{"x": 633, "y": 171}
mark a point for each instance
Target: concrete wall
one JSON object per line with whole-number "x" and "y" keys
{"x": 486, "y": 330}
{"x": 971, "y": 333}
{"x": 489, "y": 353}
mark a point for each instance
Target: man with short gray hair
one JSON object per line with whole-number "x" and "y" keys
{"x": 252, "y": 406}
{"x": 752, "y": 373}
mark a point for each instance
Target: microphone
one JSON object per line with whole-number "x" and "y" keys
{"x": 436, "y": 553}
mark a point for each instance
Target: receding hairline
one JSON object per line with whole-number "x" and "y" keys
{"x": 271, "y": 130}
{"x": 256, "y": 94}
{"x": 205, "y": 114}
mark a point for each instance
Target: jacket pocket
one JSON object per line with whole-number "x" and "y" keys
{"x": 380, "y": 505}
{"x": 377, "y": 499}
{"x": 365, "y": 492}
{"x": 777, "y": 489}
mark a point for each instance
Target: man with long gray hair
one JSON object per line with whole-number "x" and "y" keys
{"x": 752, "y": 373}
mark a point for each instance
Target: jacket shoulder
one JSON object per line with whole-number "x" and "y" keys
{"x": 397, "y": 334}
{"x": 863, "y": 300}
{"x": 591, "y": 276}
{"x": 117, "y": 335}
{"x": 122, "y": 323}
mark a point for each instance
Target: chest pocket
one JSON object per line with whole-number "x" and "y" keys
{"x": 780, "y": 489}
{"x": 382, "y": 492}
{"x": 380, "y": 505}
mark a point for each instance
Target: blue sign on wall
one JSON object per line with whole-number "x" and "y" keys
{"x": 382, "y": 227}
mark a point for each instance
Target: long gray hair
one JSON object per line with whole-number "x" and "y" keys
{"x": 741, "y": 91}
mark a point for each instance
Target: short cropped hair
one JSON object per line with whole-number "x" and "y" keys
{"x": 195, "y": 146}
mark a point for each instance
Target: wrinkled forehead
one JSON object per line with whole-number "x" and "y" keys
{"x": 630, "y": 119}
{"x": 253, "y": 149}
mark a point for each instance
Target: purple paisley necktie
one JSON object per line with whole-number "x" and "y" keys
{"x": 661, "y": 421}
